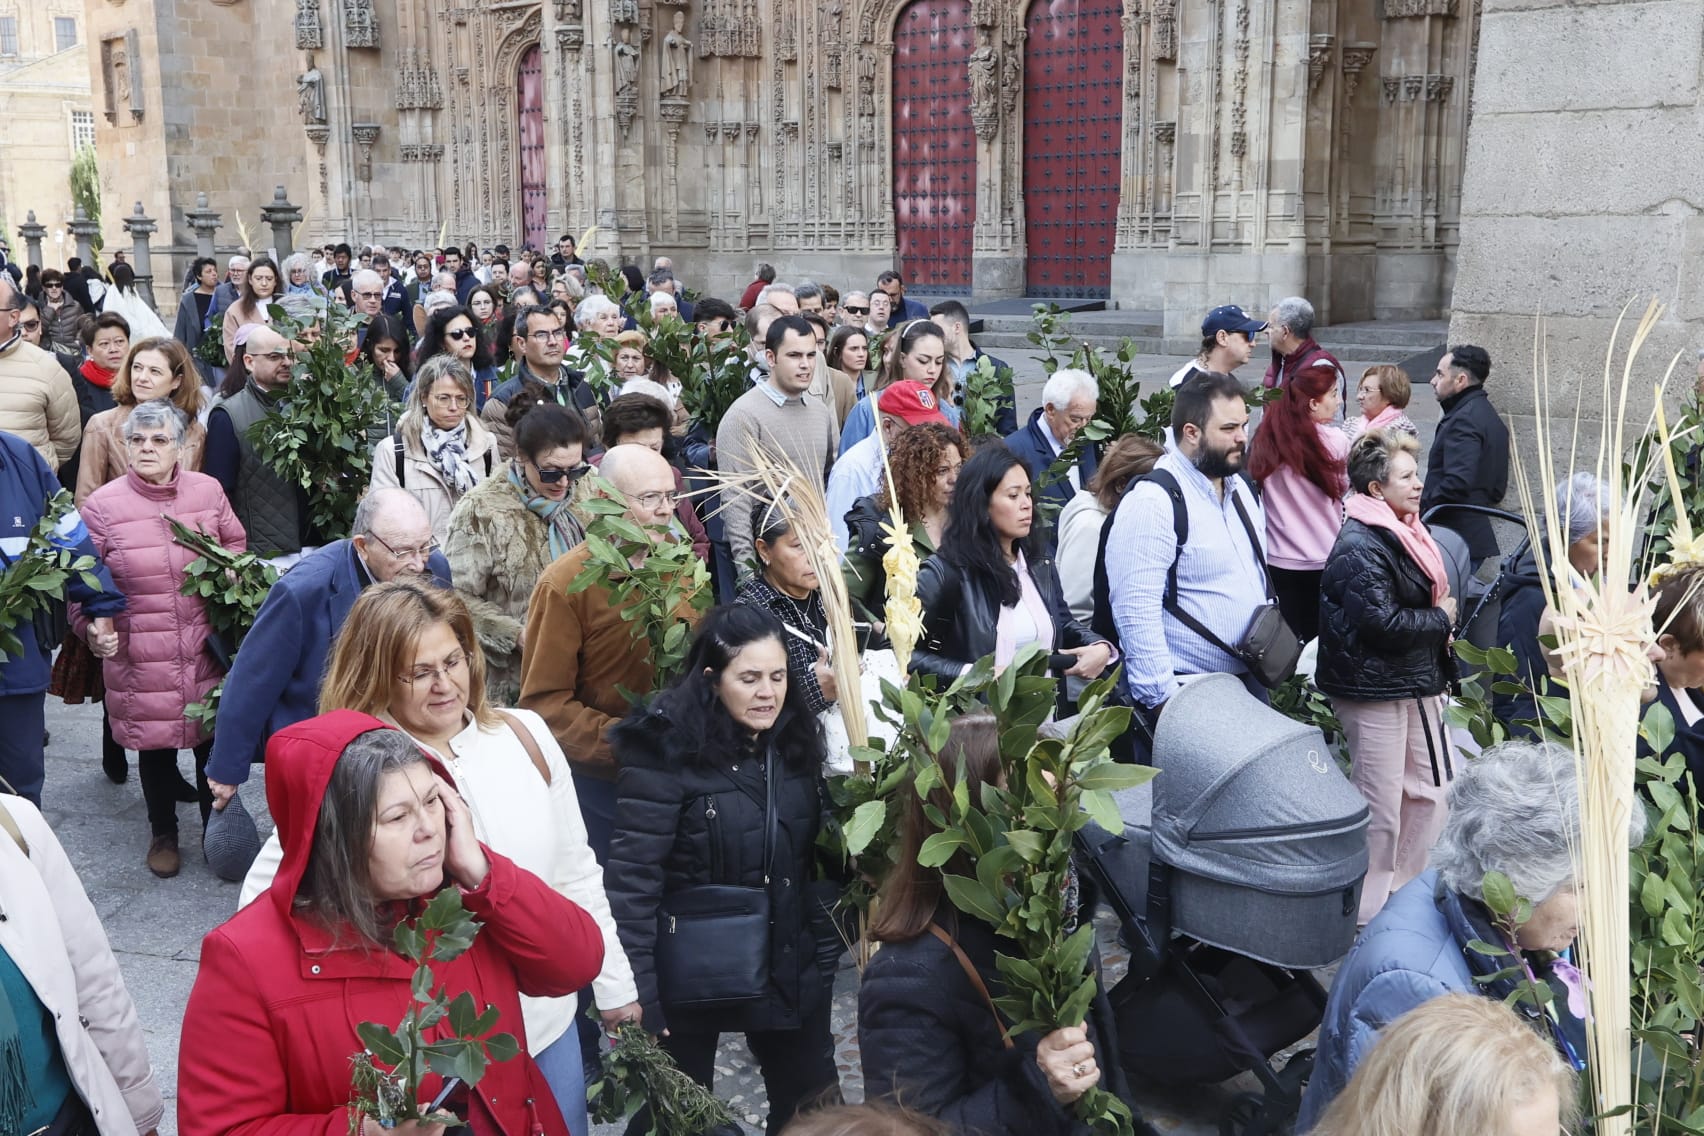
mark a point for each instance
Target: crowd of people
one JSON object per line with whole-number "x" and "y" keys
{"x": 438, "y": 703}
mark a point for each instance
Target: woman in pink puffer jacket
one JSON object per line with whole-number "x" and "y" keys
{"x": 156, "y": 658}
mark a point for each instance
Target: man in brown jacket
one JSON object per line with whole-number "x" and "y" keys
{"x": 37, "y": 401}
{"x": 578, "y": 653}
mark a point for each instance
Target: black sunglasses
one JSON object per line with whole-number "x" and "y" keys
{"x": 462, "y": 333}
{"x": 855, "y": 309}
{"x": 552, "y": 476}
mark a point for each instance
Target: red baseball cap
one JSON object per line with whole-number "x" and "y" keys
{"x": 912, "y": 401}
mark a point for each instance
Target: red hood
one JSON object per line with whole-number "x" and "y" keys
{"x": 299, "y": 761}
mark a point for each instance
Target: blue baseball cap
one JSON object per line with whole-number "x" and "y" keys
{"x": 1229, "y": 317}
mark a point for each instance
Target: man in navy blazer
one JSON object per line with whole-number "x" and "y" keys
{"x": 1068, "y": 403}
{"x": 275, "y": 680}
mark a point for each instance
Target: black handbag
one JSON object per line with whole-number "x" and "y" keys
{"x": 713, "y": 939}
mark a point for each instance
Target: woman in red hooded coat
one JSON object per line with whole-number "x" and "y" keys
{"x": 370, "y": 829}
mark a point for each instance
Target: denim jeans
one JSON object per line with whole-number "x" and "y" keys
{"x": 560, "y": 1064}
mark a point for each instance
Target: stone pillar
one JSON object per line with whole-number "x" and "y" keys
{"x": 32, "y": 231}
{"x": 281, "y": 215}
{"x": 83, "y": 231}
{"x": 139, "y": 225}
{"x": 205, "y": 222}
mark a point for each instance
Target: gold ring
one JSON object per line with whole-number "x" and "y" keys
{"x": 1080, "y": 1069}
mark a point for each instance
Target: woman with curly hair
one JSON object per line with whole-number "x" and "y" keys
{"x": 454, "y": 331}
{"x": 925, "y": 461}
{"x": 1299, "y": 457}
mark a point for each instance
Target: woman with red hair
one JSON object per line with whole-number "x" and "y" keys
{"x": 1299, "y": 456}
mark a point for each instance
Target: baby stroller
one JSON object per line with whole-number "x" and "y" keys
{"x": 1479, "y": 601}
{"x": 1238, "y": 871}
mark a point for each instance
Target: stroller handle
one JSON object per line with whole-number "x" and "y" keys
{"x": 1432, "y": 514}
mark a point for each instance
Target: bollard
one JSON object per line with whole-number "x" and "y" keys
{"x": 205, "y": 222}
{"x": 32, "y": 231}
{"x": 139, "y": 225}
{"x": 281, "y": 215}
{"x": 83, "y": 231}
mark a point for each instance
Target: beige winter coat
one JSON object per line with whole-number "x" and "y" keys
{"x": 38, "y": 402}
{"x": 50, "y": 930}
{"x": 425, "y": 480}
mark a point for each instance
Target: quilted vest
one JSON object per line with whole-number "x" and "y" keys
{"x": 266, "y": 504}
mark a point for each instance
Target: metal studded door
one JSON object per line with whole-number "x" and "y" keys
{"x": 1073, "y": 122}
{"x": 934, "y": 143}
{"x": 529, "y": 106}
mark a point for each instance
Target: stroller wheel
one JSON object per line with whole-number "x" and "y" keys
{"x": 1245, "y": 1116}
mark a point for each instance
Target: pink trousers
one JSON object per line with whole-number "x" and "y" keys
{"x": 1392, "y": 766}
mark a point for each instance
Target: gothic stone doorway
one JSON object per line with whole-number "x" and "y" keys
{"x": 934, "y": 144}
{"x": 1073, "y": 120}
{"x": 529, "y": 107}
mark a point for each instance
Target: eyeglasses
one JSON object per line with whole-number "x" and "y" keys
{"x": 158, "y": 441}
{"x": 369, "y": 295}
{"x": 423, "y": 552}
{"x": 548, "y": 336}
{"x": 55, "y": 287}
{"x": 572, "y": 473}
{"x": 461, "y": 333}
{"x": 274, "y": 355}
{"x": 448, "y": 668}
{"x": 651, "y": 501}
{"x": 855, "y": 309}
{"x": 453, "y": 400}
{"x": 32, "y": 325}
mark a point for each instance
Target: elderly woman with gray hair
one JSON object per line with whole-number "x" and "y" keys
{"x": 1515, "y": 810}
{"x": 440, "y": 450}
{"x": 156, "y": 657}
{"x": 1581, "y": 508}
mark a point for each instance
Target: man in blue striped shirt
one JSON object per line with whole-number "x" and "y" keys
{"x": 1220, "y": 569}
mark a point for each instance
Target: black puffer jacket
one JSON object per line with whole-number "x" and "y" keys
{"x": 1381, "y": 638}
{"x": 680, "y": 823}
{"x": 929, "y": 1041}
{"x": 960, "y": 619}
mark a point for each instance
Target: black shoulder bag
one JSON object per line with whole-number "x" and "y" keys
{"x": 713, "y": 939}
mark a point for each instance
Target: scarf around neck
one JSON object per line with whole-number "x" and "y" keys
{"x": 97, "y": 374}
{"x": 561, "y": 526}
{"x": 1415, "y": 540}
{"x": 446, "y": 449}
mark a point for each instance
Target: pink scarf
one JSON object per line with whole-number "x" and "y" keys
{"x": 1376, "y": 513}
{"x": 1005, "y": 641}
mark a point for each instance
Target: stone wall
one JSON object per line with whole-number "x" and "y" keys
{"x": 40, "y": 87}
{"x": 1584, "y": 189}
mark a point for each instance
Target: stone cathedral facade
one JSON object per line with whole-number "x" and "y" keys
{"x": 1163, "y": 154}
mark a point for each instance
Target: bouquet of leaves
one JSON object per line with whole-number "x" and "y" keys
{"x": 637, "y": 1072}
{"x": 318, "y": 436}
{"x": 232, "y": 586}
{"x": 986, "y": 389}
{"x": 211, "y": 350}
{"x": 711, "y": 369}
{"x": 387, "y": 1073}
{"x": 651, "y": 579}
{"x": 38, "y": 576}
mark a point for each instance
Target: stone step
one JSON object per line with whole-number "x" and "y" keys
{"x": 1373, "y": 340}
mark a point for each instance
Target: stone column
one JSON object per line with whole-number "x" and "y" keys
{"x": 205, "y": 222}
{"x": 139, "y": 225}
{"x": 32, "y": 231}
{"x": 281, "y": 215}
{"x": 83, "y": 231}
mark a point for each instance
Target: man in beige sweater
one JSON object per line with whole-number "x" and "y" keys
{"x": 779, "y": 415}
{"x": 37, "y": 401}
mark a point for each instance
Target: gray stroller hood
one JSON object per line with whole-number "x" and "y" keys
{"x": 1266, "y": 838}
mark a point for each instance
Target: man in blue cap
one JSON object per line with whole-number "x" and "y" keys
{"x": 1228, "y": 335}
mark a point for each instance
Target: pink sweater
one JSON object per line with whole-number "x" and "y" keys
{"x": 1301, "y": 521}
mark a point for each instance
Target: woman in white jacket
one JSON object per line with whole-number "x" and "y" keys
{"x": 71, "y": 1048}
{"x": 408, "y": 655}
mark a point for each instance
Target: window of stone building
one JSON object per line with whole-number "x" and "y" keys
{"x": 64, "y": 33}
{"x": 82, "y": 130}
{"x": 8, "y": 35}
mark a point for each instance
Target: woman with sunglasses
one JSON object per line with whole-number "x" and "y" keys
{"x": 440, "y": 450}
{"x": 453, "y": 331}
{"x": 505, "y": 532}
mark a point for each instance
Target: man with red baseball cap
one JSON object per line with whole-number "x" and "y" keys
{"x": 859, "y": 471}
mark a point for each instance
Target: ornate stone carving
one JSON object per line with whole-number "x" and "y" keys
{"x": 1319, "y": 58}
{"x": 319, "y": 135}
{"x": 1397, "y": 9}
{"x": 123, "y": 81}
{"x": 309, "y": 35}
{"x": 984, "y": 68}
{"x": 1356, "y": 56}
{"x": 1165, "y": 29}
{"x": 1392, "y": 87}
{"x": 365, "y": 135}
{"x": 1012, "y": 80}
{"x": 568, "y": 11}
{"x": 624, "y": 11}
{"x": 677, "y": 59}
{"x": 1438, "y": 88}
{"x": 417, "y": 85}
{"x": 833, "y": 49}
{"x": 360, "y": 24}
{"x": 1165, "y": 133}
{"x": 672, "y": 110}
{"x": 1412, "y": 85}
{"x": 626, "y": 75}
{"x": 866, "y": 83}
{"x": 310, "y": 93}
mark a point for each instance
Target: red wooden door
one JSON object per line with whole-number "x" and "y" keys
{"x": 934, "y": 144}
{"x": 1073, "y": 122}
{"x": 529, "y": 105}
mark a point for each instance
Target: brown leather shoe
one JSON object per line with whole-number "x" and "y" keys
{"x": 163, "y": 858}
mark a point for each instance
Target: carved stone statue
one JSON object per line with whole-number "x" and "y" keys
{"x": 624, "y": 11}
{"x": 360, "y": 23}
{"x": 984, "y": 75}
{"x": 310, "y": 93}
{"x": 309, "y": 36}
{"x": 626, "y": 66}
{"x": 677, "y": 59}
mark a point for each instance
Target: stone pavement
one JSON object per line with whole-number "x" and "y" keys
{"x": 156, "y": 925}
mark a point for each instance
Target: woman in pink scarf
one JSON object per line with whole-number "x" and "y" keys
{"x": 1386, "y": 622}
{"x": 1383, "y": 398}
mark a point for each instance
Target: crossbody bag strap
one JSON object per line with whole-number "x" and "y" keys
{"x": 528, "y": 743}
{"x": 10, "y": 827}
{"x": 971, "y": 973}
{"x": 1253, "y": 543}
{"x": 1180, "y": 533}
{"x": 770, "y": 809}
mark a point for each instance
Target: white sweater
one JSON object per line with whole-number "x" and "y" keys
{"x": 541, "y": 832}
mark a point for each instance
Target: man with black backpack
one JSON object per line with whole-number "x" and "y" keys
{"x": 1182, "y": 564}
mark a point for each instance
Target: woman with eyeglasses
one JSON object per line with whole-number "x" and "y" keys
{"x": 506, "y": 531}
{"x": 262, "y": 288}
{"x": 440, "y": 450}
{"x": 156, "y": 662}
{"x": 454, "y": 332}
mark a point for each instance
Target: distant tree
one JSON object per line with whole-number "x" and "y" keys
{"x": 86, "y": 190}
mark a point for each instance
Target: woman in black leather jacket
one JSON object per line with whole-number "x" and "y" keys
{"x": 691, "y": 799}
{"x": 990, "y": 589}
{"x": 1386, "y": 617}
